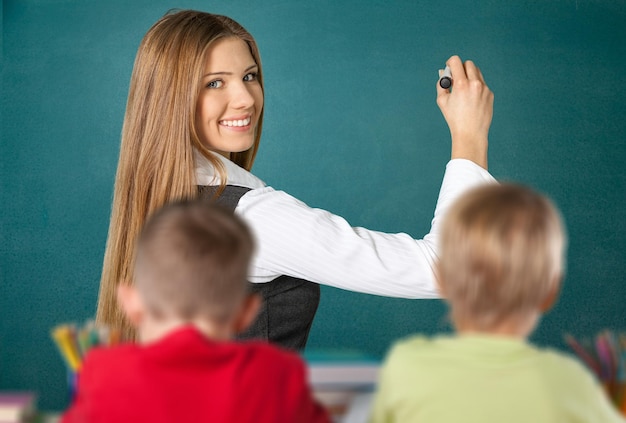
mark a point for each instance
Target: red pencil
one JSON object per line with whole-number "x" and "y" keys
{"x": 584, "y": 355}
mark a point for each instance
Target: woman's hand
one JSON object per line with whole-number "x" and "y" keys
{"x": 467, "y": 108}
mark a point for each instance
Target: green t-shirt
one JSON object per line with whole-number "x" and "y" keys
{"x": 478, "y": 378}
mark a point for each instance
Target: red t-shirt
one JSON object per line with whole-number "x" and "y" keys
{"x": 186, "y": 377}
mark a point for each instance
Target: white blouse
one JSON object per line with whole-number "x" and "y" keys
{"x": 312, "y": 244}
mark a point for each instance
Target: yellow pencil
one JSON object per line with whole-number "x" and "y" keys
{"x": 62, "y": 335}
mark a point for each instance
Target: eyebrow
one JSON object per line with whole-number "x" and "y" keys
{"x": 229, "y": 73}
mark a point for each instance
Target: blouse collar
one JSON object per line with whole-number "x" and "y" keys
{"x": 235, "y": 175}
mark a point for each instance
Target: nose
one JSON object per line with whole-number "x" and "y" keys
{"x": 241, "y": 96}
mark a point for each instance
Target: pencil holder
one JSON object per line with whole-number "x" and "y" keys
{"x": 72, "y": 383}
{"x": 74, "y": 342}
{"x": 605, "y": 356}
{"x": 616, "y": 390}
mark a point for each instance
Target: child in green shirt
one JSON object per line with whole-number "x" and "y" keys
{"x": 500, "y": 268}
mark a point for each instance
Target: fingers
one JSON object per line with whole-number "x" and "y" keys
{"x": 441, "y": 90}
{"x": 471, "y": 70}
{"x": 464, "y": 71}
{"x": 456, "y": 68}
{"x": 464, "y": 76}
{"x": 480, "y": 75}
{"x": 461, "y": 72}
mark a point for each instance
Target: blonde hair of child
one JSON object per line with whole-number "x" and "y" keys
{"x": 502, "y": 255}
{"x": 156, "y": 162}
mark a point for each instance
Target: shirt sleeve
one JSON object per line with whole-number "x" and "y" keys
{"x": 312, "y": 244}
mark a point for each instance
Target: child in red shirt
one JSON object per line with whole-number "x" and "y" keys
{"x": 188, "y": 301}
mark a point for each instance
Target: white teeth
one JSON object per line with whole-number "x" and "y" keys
{"x": 240, "y": 122}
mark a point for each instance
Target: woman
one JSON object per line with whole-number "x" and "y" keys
{"x": 192, "y": 128}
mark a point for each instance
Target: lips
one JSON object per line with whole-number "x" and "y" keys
{"x": 236, "y": 122}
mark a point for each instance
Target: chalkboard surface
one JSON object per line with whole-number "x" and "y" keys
{"x": 351, "y": 126}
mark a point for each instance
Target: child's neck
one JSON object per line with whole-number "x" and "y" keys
{"x": 520, "y": 329}
{"x": 152, "y": 330}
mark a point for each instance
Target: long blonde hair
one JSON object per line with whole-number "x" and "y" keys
{"x": 156, "y": 163}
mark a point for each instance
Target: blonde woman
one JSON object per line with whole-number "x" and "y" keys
{"x": 192, "y": 129}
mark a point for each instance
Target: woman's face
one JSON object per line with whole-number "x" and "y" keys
{"x": 230, "y": 100}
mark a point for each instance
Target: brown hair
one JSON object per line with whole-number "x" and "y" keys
{"x": 502, "y": 250}
{"x": 192, "y": 261}
{"x": 156, "y": 163}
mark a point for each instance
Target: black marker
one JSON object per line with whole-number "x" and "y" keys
{"x": 446, "y": 79}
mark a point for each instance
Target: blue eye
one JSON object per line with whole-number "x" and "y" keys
{"x": 252, "y": 76}
{"x": 215, "y": 84}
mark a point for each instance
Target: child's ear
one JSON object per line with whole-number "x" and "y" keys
{"x": 248, "y": 312}
{"x": 552, "y": 296}
{"x": 130, "y": 301}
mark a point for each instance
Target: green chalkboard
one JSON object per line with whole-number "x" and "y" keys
{"x": 351, "y": 125}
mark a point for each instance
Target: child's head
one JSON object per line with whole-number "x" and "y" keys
{"x": 191, "y": 264}
{"x": 502, "y": 256}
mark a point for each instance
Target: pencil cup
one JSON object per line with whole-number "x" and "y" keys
{"x": 620, "y": 397}
{"x": 605, "y": 356}
{"x": 74, "y": 342}
{"x": 622, "y": 406}
{"x": 616, "y": 390}
{"x": 72, "y": 381}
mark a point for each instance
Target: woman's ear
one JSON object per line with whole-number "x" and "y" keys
{"x": 247, "y": 313}
{"x": 130, "y": 302}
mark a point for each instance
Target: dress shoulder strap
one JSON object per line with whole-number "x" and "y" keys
{"x": 289, "y": 304}
{"x": 229, "y": 198}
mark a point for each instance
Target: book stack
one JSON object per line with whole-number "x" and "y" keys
{"x": 17, "y": 407}
{"x": 343, "y": 381}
